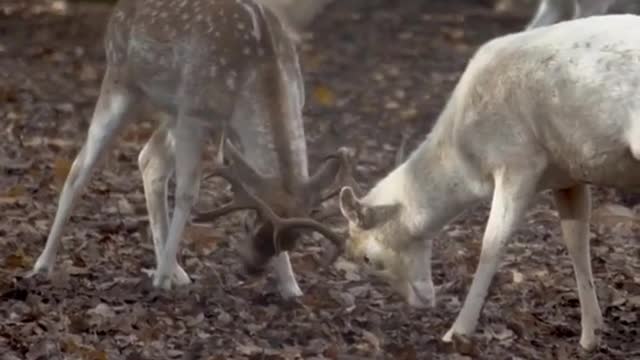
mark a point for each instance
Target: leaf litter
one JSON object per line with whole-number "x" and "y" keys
{"x": 99, "y": 303}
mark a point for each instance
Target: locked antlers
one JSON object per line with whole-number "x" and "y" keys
{"x": 252, "y": 191}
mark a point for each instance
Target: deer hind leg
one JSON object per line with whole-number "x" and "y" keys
{"x": 111, "y": 109}
{"x": 189, "y": 138}
{"x": 157, "y": 162}
{"x": 513, "y": 191}
{"x": 574, "y": 206}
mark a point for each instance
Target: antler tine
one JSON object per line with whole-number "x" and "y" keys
{"x": 241, "y": 167}
{"x": 240, "y": 199}
{"x": 245, "y": 200}
{"x": 281, "y": 224}
{"x": 346, "y": 178}
{"x": 239, "y": 170}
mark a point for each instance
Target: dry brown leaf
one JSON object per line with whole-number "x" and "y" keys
{"x": 95, "y": 355}
{"x": 204, "y": 240}
{"x": 61, "y": 168}
{"x": 13, "y": 194}
{"x": 324, "y": 96}
{"x": 17, "y": 260}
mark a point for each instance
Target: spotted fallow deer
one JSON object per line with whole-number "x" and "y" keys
{"x": 553, "y": 11}
{"x": 557, "y": 107}
{"x": 298, "y": 13}
{"x": 215, "y": 67}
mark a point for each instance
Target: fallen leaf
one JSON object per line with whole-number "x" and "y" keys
{"x": 61, "y": 168}
{"x": 100, "y": 314}
{"x": 634, "y": 301}
{"x": 610, "y": 215}
{"x": 324, "y": 96}
{"x": 204, "y": 240}
{"x": 18, "y": 260}
{"x": 518, "y": 277}
{"x": 13, "y": 194}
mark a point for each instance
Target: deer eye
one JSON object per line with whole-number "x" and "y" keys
{"x": 366, "y": 259}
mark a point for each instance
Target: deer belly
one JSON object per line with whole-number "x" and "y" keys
{"x": 608, "y": 168}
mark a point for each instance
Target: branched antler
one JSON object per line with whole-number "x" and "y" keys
{"x": 245, "y": 197}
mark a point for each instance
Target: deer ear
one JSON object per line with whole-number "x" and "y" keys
{"x": 352, "y": 208}
{"x": 364, "y": 216}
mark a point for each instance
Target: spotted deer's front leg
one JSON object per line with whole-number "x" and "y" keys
{"x": 189, "y": 139}
{"x": 287, "y": 284}
{"x": 157, "y": 162}
{"x": 513, "y": 191}
{"x": 574, "y": 207}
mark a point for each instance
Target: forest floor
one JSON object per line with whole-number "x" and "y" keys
{"x": 373, "y": 69}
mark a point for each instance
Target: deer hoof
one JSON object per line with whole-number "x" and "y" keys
{"x": 180, "y": 277}
{"x": 42, "y": 265}
{"x": 290, "y": 291}
{"x": 448, "y": 337}
{"x": 162, "y": 280}
{"x": 589, "y": 343}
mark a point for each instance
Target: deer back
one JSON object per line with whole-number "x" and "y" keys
{"x": 567, "y": 90}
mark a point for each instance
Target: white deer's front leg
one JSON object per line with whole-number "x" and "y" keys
{"x": 156, "y": 162}
{"x": 286, "y": 279}
{"x": 189, "y": 140}
{"x": 419, "y": 288}
{"x": 512, "y": 193}
{"x": 574, "y": 207}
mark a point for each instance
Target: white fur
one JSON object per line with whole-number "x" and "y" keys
{"x": 550, "y": 108}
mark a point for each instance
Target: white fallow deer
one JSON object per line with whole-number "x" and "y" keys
{"x": 214, "y": 66}
{"x": 553, "y": 11}
{"x": 557, "y": 108}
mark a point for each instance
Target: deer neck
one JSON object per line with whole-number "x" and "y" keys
{"x": 432, "y": 186}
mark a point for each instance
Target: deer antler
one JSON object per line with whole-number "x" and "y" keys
{"x": 245, "y": 199}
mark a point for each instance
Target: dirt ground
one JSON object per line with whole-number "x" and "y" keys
{"x": 374, "y": 69}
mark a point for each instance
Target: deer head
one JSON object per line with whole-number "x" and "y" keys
{"x": 281, "y": 214}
